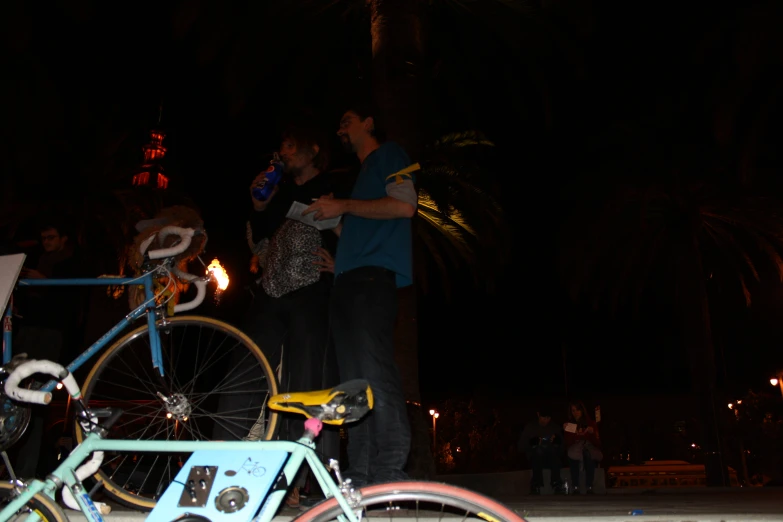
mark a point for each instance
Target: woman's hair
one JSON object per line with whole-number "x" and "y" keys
{"x": 584, "y": 419}
{"x": 306, "y": 135}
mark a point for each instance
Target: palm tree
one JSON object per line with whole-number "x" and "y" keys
{"x": 693, "y": 243}
{"x": 460, "y": 223}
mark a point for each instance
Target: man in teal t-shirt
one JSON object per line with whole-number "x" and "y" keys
{"x": 374, "y": 258}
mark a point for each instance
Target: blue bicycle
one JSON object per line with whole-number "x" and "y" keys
{"x": 175, "y": 377}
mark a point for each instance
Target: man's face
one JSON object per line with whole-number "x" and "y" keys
{"x": 544, "y": 420}
{"x": 353, "y": 130}
{"x": 295, "y": 159}
{"x": 52, "y": 241}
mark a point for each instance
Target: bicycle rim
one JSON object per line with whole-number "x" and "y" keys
{"x": 43, "y": 506}
{"x": 216, "y": 388}
{"x": 420, "y": 500}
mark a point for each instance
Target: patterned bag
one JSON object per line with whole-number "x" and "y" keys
{"x": 289, "y": 259}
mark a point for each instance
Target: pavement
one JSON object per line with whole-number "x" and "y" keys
{"x": 693, "y": 505}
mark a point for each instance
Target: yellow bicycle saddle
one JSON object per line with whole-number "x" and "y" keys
{"x": 347, "y": 402}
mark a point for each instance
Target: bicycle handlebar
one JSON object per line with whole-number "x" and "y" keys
{"x": 28, "y": 368}
{"x": 201, "y": 290}
{"x": 185, "y": 236}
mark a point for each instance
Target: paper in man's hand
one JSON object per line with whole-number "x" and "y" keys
{"x": 295, "y": 213}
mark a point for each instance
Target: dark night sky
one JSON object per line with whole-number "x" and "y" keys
{"x": 83, "y": 72}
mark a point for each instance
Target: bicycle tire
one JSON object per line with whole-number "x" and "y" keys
{"x": 394, "y": 494}
{"x": 46, "y": 508}
{"x": 155, "y": 415}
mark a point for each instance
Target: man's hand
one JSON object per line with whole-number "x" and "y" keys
{"x": 255, "y": 264}
{"x": 325, "y": 260}
{"x": 29, "y": 273}
{"x": 326, "y": 207}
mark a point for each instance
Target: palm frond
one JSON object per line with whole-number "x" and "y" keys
{"x": 641, "y": 234}
{"x": 463, "y": 139}
{"x": 452, "y": 234}
{"x": 451, "y": 219}
{"x": 459, "y": 217}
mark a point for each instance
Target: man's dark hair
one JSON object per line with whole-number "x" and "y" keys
{"x": 60, "y": 225}
{"x": 306, "y": 135}
{"x": 366, "y": 109}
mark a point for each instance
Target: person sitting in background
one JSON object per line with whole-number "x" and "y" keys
{"x": 542, "y": 442}
{"x": 583, "y": 445}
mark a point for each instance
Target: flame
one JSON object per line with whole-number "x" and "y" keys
{"x": 219, "y": 273}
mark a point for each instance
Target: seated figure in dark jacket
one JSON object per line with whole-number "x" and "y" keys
{"x": 542, "y": 442}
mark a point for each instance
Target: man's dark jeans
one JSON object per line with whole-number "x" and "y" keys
{"x": 363, "y": 313}
{"x": 545, "y": 457}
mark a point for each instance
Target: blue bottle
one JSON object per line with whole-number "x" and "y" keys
{"x": 264, "y": 188}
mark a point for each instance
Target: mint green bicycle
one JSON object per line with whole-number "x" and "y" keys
{"x": 237, "y": 481}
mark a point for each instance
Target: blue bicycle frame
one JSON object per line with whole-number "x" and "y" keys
{"x": 147, "y": 307}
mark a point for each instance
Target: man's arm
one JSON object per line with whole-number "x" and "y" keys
{"x": 31, "y": 273}
{"x": 387, "y": 207}
{"x": 400, "y": 201}
{"x": 384, "y": 208}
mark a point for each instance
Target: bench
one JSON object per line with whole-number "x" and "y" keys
{"x": 512, "y": 484}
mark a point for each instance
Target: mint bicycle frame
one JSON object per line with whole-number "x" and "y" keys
{"x": 299, "y": 452}
{"x": 147, "y": 307}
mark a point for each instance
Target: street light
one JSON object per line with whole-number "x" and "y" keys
{"x": 435, "y": 415}
{"x": 775, "y": 381}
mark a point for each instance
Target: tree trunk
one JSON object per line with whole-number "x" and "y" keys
{"x": 397, "y": 58}
{"x": 697, "y": 336}
{"x": 397, "y": 51}
{"x": 421, "y": 463}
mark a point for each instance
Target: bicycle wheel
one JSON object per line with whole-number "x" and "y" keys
{"x": 43, "y": 506}
{"x": 216, "y": 388}
{"x": 417, "y": 499}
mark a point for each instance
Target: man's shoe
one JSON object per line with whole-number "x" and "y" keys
{"x": 309, "y": 500}
{"x": 558, "y": 488}
{"x": 306, "y": 503}
{"x": 292, "y": 499}
{"x": 535, "y": 490}
{"x": 576, "y": 491}
{"x": 589, "y": 491}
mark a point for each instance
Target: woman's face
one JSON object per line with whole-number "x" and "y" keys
{"x": 576, "y": 412}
